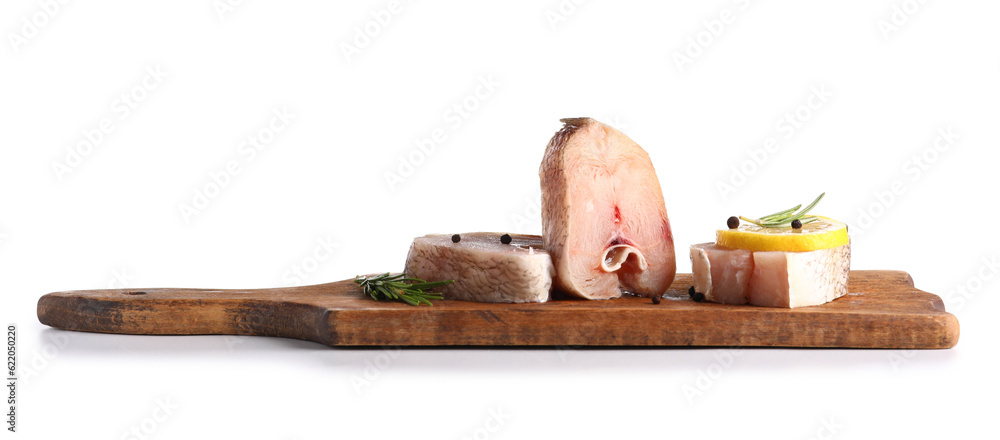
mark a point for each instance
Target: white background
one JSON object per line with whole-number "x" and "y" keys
{"x": 115, "y": 217}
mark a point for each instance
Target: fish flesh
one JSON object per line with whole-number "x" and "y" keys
{"x": 770, "y": 278}
{"x": 798, "y": 279}
{"x": 722, "y": 274}
{"x": 604, "y": 220}
{"x": 483, "y": 267}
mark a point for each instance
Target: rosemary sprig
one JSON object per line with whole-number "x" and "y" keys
{"x": 412, "y": 291}
{"x": 786, "y": 217}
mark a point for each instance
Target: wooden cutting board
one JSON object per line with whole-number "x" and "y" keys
{"x": 883, "y": 310}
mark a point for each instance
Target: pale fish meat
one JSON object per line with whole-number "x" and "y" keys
{"x": 770, "y": 278}
{"x": 484, "y": 268}
{"x": 604, "y": 220}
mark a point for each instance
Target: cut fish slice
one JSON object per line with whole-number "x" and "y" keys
{"x": 484, "y": 268}
{"x": 799, "y": 279}
{"x": 604, "y": 221}
{"x": 770, "y": 278}
{"x": 722, "y": 274}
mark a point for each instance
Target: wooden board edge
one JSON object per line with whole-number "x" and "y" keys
{"x": 914, "y": 331}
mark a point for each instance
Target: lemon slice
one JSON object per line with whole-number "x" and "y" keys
{"x": 824, "y": 233}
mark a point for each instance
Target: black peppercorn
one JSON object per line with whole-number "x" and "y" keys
{"x": 691, "y": 291}
{"x": 456, "y": 238}
{"x": 656, "y": 299}
{"x": 505, "y": 239}
{"x": 796, "y": 224}
{"x": 698, "y": 297}
{"x": 733, "y": 222}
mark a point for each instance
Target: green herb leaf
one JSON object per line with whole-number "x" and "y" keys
{"x": 413, "y": 291}
{"x": 785, "y": 218}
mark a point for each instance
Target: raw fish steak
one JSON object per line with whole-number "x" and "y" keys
{"x": 604, "y": 220}
{"x": 484, "y": 268}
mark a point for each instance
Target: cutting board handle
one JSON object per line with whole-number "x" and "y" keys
{"x": 291, "y": 312}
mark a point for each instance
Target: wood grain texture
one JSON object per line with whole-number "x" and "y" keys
{"x": 883, "y": 310}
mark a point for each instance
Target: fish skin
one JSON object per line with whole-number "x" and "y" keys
{"x": 599, "y": 190}
{"x": 483, "y": 268}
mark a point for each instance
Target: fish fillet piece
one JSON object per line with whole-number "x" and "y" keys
{"x": 770, "y": 278}
{"x": 722, "y": 274}
{"x": 484, "y": 269}
{"x": 799, "y": 279}
{"x": 604, "y": 220}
